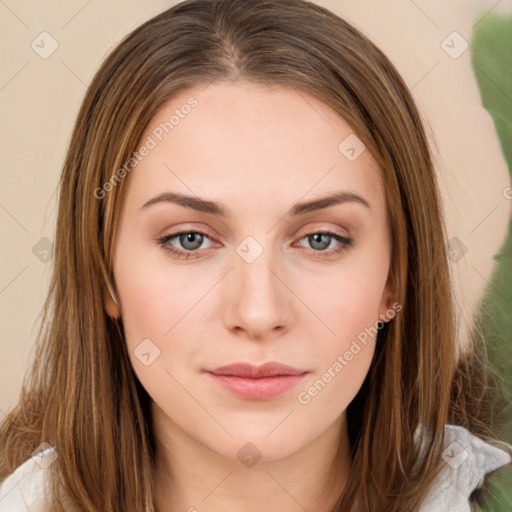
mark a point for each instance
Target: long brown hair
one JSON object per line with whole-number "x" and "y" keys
{"x": 82, "y": 395}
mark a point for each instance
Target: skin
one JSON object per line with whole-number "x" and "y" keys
{"x": 258, "y": 150}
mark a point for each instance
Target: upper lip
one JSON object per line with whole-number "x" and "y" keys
{"x": 270, "y": 369}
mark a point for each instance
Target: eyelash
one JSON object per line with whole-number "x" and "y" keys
{"x": 163, "y": 242}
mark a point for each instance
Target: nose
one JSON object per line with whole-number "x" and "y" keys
{"x": 259, "y": 302}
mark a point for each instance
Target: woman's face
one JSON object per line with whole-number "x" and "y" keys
{"x": 259, "y": 283}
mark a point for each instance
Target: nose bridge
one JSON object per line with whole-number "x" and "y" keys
{"x": 254, "y": 264}
{"x": 259, "y": 298}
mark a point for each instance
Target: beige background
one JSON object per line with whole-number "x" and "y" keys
{"x": 39, "y": 99}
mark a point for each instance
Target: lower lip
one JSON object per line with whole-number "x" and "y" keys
{"x": 264, "y": 388}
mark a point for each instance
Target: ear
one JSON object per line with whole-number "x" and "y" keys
{"x": 389, "y": 299}
{"x": 111, "y": 305}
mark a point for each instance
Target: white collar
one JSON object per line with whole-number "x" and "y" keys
{"x": 467, "y": 460}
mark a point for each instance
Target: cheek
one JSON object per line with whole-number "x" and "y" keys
{"x": 348, "y": 306}
{"x": 155, "y": 295}
{"x": 163, "y": 303}
{"x": 347, "y": 300}
{"x": 158, "y": 319}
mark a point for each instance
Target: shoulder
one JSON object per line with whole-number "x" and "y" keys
{"x": 467, "y": 460}
{"x": 25, "y": 489}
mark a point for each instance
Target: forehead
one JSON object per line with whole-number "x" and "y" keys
{"x": 266, "y": 142}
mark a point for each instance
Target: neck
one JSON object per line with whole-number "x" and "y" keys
{"x": 192, "y": 477}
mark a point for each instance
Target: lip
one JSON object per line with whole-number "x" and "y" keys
{"x": 251, "y": 382}
{"x": 270, "y": 369}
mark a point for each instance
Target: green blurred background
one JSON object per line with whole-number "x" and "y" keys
{"x": 491, "y": 57}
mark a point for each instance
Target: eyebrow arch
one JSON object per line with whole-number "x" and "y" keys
{"x": 219, "y": 210}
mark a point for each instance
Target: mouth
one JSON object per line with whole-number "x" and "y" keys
{"x": 251, "y": 382}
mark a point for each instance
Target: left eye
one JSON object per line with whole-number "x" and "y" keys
{"x": 191, "y": 241}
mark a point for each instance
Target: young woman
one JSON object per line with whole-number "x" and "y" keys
{"x": 251, "y": 306}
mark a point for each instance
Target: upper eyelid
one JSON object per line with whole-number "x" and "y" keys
{"x": 207, "y": 231}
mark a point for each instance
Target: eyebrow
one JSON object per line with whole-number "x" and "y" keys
{"x": 219, "y": 210}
